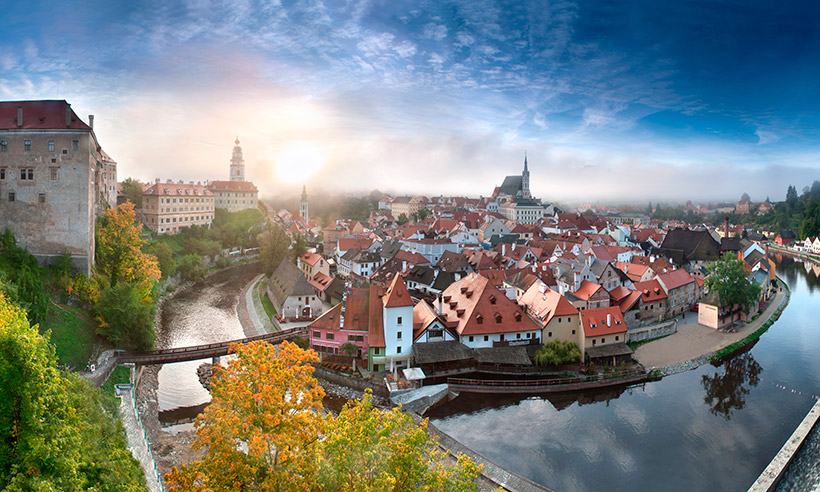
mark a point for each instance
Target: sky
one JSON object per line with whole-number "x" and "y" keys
{"x": 612, "y": 101}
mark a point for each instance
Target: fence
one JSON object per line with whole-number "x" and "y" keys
{"x": 131, "y": 388}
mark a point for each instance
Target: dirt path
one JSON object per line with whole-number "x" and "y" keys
{"x": 693, "y": 340}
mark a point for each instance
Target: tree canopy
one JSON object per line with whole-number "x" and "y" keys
{"x": 274, "y": 244}
{"x": 56, "y": 431}
{"x": 132, "y": 190}
{"x": 727, "y": 277}
{"x": 557, "y": 352}
{"x": 119, "y": 249}
{"x": 264, "y": 430}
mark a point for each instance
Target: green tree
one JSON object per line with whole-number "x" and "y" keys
{"x": 132, "y": 189}
{"x": 791, "y": 197}
{"x": 56, "y": 431}
{"x": 727, "y": 277}
{"x": 365, "y": 448}
{"x": 191, "y": 268}
{"x": 556, "y": 353}
{"x": 402, "y": 219}
{"x": 299, "y": 246}
{"x": 165, "y": 258}
{"x": 126, "y": 316}
{"x": 24, "y": 282}
{"x": 273, "y": 248}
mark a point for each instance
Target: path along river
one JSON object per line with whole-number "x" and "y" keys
{"x": 712, "y": 428}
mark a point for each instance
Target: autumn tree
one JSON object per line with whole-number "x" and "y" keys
{"x": 260, "y": 428}
{"x": 274, "y": 244}
{"x": 56, "y": 430}
{"x": 264, "y": 431}
{"x": 132, "y": 190}
{"x": 368, "y": 449}
{"x": 119, "y": 249}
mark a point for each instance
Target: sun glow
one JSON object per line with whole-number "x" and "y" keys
{"x": 298, "y": 162}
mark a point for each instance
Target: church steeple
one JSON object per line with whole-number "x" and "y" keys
{"x": 237, "y": 163}
{"x": 525, "y": 179}
{"x": 303, "y": 205}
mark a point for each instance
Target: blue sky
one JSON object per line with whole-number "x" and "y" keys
{"x": 611, "y": 100}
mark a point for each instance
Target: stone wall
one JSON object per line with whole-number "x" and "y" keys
{"x": 354, "y": 382}
{"x": 653, "y": 331}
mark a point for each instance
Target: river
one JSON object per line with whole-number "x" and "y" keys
{"x": 712, "y": 428}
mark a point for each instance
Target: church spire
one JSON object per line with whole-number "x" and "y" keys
{"x": 525, "y": 179}
{"x": 237, "y": 163}
{"x": 303, "y": 206}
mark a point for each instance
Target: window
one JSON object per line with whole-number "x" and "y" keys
{"x": 27, "y": 145}
{"x": 317, "y": 334}
{"x": 51, "y": 145}
{"x": 4, "y": 145}
{"x": 398, "y": 335}
{"x": 398, "y": 320}
{"x": 27, "y": 174}
{"x": 573, "y": 332}
{"x": 616, "y": 338}
{"x": 329, "y": 336}
{"x": 11, "y": 196}
{"x": 53, "y": 172}
{"x": 486, "y": 338}
{"x": 603, "y": 340}
{"x": 75, "y": 146}
{"x": 42, "y": 198}
{"x": 517, "y": 335}
{"x": 549, "y": 334}
{"x": 471, "y": 338}
{"x": 2, "y": 173}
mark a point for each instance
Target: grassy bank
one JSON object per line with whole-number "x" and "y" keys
{"x": 73, "y": 334}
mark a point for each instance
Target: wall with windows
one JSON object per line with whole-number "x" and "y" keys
{"x": 49, "y": 192}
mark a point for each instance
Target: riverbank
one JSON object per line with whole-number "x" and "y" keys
{"x": 693, "y": 344}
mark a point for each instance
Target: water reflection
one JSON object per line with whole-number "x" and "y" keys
{"x": 726, "y": 391}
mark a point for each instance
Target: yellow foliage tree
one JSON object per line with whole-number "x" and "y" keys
{"x": 264, "y": 431}
{"x": 259, "y": 430}
{"x": 119, "y": 249}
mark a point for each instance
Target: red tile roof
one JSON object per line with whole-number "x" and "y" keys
{"x": 595, "y": 324}
{"x": 675, "y": 278}
{"x": 311, "y": 258}
{"x": 478, "y": 308}
{"x": 177, "y": 189}
{"x": 348, "y": 243}
{"x": 397, "y": 295}
{"x": 375, "y": 327}
{"x": 543, "y": 306}
{"x": 587, "y": 289}
{"x": 651, "y": 290}
{"x": 40, "y": 115}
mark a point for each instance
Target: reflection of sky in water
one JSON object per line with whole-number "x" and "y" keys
{"x": 661, "y": 436}
{"x": 203, "y": 314}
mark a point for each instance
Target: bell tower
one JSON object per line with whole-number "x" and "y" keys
{"x": 237, "y": 163}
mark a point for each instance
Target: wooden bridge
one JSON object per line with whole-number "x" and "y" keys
{"x": 556, "y": 385}
{"x": 196, "y": 352}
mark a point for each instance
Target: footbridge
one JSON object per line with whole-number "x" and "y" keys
{"x": 197, "y": 352}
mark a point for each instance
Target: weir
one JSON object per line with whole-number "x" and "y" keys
{"x": 768, "y": 480}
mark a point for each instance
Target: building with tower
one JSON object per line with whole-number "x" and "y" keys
{"x": 236, "y": 194}
{"x": 515, "y": 201}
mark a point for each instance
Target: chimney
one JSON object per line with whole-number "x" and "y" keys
{"x": 767, "y": 251}
{"x": 67, "y": 114}
{"x": 726, "y": 226}
{"x": 91, "y": 121}
{"x": 440, "y": 305}
{"x": 19, "y": 116}
{"x": 609, "y": 320}
{"x": 503, "y": 249}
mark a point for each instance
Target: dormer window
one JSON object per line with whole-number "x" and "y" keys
{"x": 492, "y": 299}
{"x": 498, "y": 318}
{"x": 479, "y": 319}
{"x": 459, "y": 312}
{"x": 518, "y": 317}
{"x": 463, "y": 290}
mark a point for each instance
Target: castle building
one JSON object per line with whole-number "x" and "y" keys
{"x": 54, "y": 180}
{"x": 236, "y": 194}
{"x": 168, "y": 207}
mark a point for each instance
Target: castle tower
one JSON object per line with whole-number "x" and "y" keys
{"x": 237, "y": 163}
{"x": 525, "y": 179}
{"x": 303, "y": 206}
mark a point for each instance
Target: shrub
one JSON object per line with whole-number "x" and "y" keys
{"x": 556, "y": 353}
